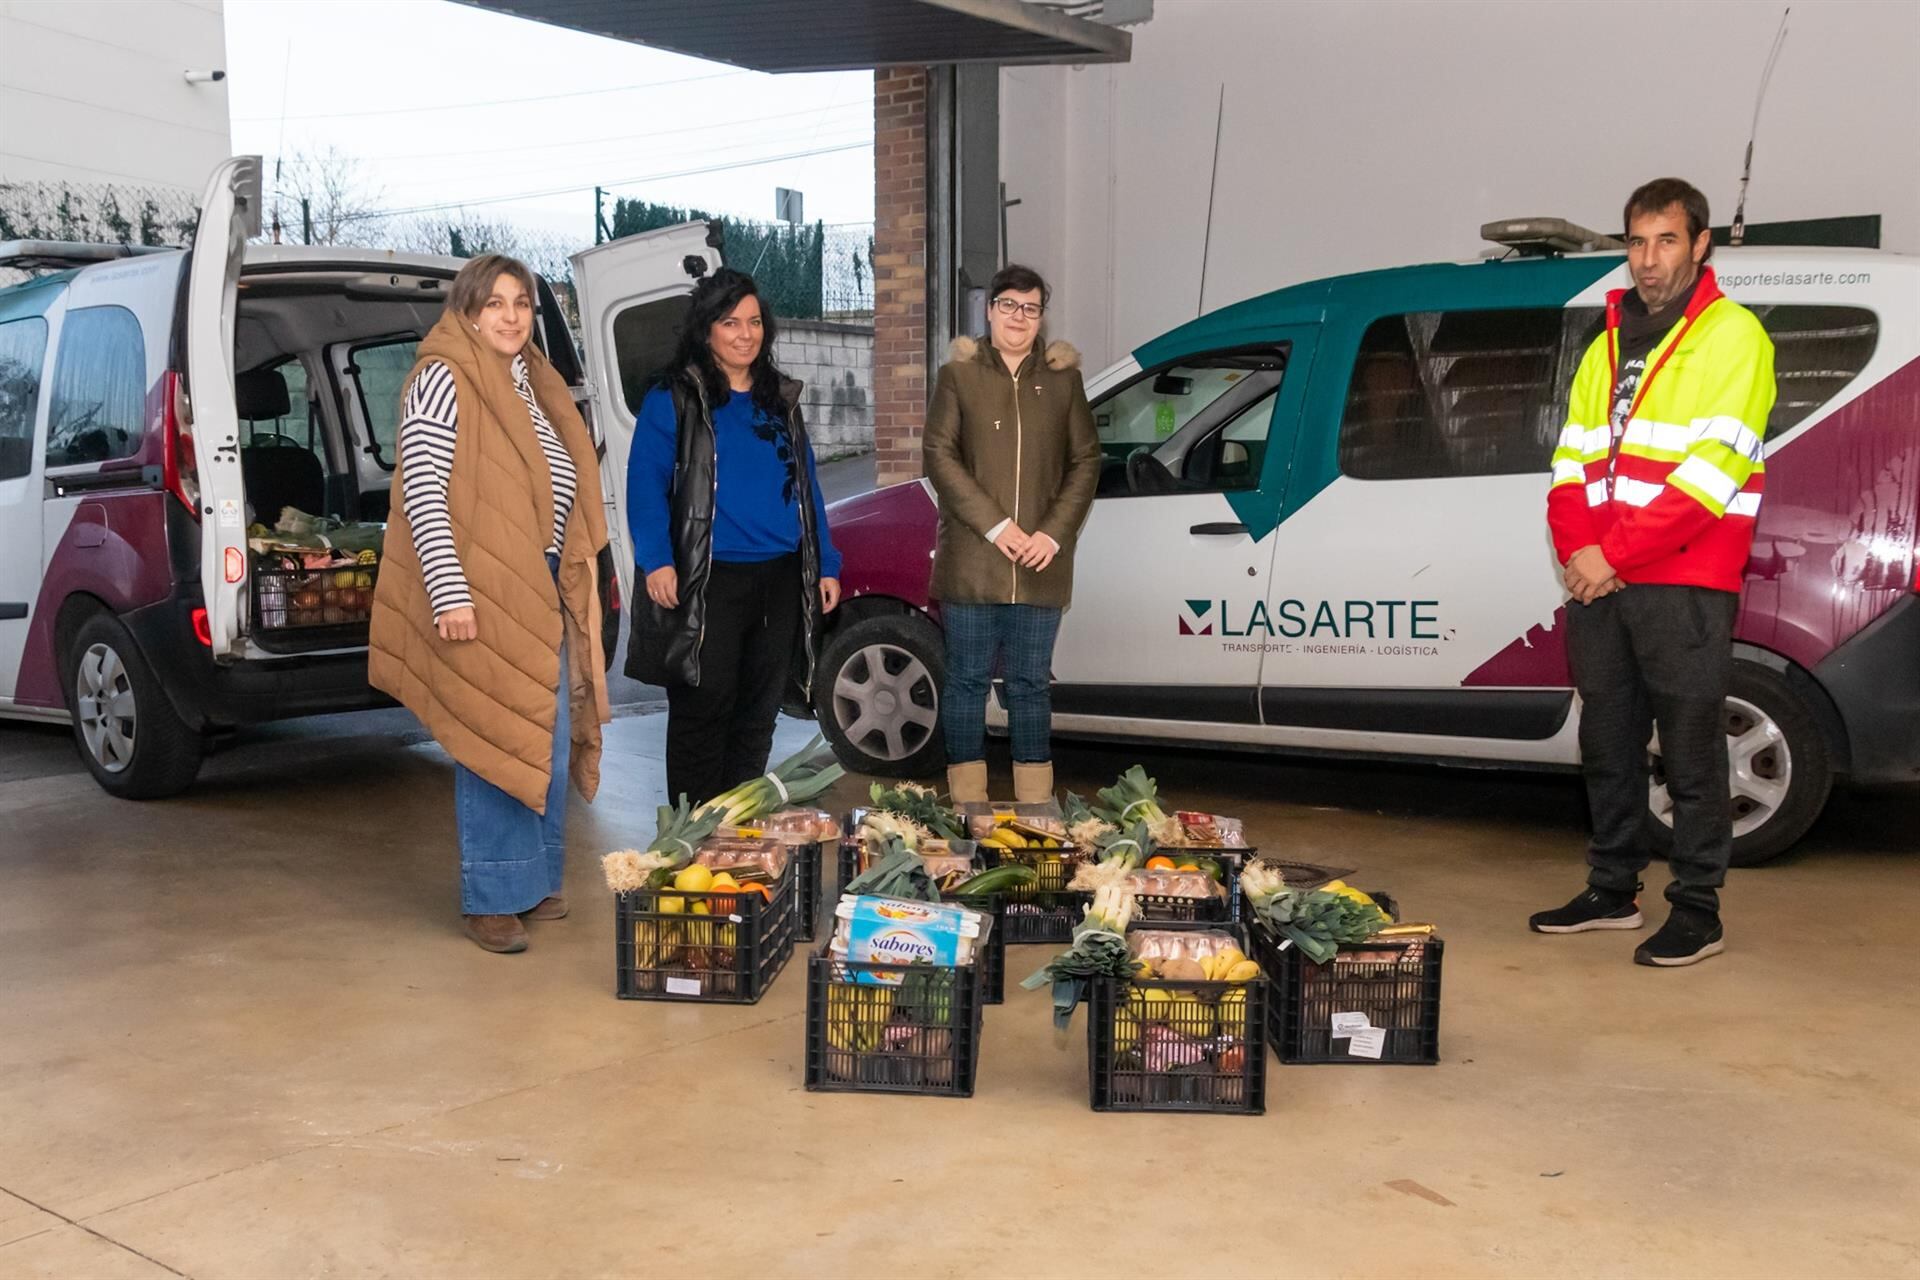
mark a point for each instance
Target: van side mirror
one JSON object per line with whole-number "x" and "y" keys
{"x": 1234, "y": 454}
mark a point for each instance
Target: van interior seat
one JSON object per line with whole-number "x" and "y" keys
{"x": 276, "y": 475}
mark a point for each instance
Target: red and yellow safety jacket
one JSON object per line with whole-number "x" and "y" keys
{"x": 1674, "y": 498}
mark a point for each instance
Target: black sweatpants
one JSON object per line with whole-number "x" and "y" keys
{"x": 719, "y": 733}
{"x": 1645, "y": 656}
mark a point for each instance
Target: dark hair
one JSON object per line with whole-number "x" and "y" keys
{"x": 713, "y": 300}
{"x": 474, "y": 285}
{"x": 1662, "y": 194}
{"x": 1017, "y": 279}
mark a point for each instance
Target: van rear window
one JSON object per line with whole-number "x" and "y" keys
{"x": 1817, "y": 351}
{"x": 97, "y": 408}
{"x": 1484, "y": 393}
{"x": 1461, "y": 393}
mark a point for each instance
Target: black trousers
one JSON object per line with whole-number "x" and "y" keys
{"x": 719, "y": 733}
{"x": 1643, "y": 657}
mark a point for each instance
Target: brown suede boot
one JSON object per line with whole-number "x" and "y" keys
{"x": 553, "y": 907}
{"x": 967, "y": 781}
{"x": 1032, "y": 783}
{"x": 504, "y": 934}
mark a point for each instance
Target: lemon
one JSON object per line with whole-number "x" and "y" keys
{"x": 724, "y": 880}
{"x": 693, "y": 879}
{"x": 672, "y": 904}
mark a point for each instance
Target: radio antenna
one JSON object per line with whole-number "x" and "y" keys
{"x": 1213, "y": 182}
{"x": 1738, "y": 234}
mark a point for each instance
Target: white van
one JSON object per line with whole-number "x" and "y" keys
{"x": 155, "y": 404}
{"x": 1321, "y": 528}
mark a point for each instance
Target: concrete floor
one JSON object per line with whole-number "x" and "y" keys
{"x": 243, "y": 1038}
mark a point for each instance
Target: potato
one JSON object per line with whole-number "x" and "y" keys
{"x": 1182, "y": 969}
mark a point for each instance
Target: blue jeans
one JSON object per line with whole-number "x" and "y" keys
{"x": 510, "y": 856}
{"x": 1022, "y": 636}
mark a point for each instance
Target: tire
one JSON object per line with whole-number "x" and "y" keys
{"x": 1779, "y": 764}
{"x": 133, "y": 742}
{"x": 877, "y": 695}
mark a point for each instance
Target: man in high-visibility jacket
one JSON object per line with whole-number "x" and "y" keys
{"x": 1656, "y": 486}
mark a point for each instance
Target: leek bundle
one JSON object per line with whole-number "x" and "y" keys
{"x": 1099, "y": 949}
{"x": 1316, "y": 921}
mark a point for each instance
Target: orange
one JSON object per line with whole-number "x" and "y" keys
{"x": 1160, "y": 862}
{"x": 1187, "y": 866}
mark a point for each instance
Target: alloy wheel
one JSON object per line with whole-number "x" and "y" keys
{"x": 106, "y": 707}
{"x": 886, "y": 701}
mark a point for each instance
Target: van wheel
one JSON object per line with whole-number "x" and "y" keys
{"x": 132, "y": 740}
{"x": 1779, "y": 771}
{"x": 877, "y": 695}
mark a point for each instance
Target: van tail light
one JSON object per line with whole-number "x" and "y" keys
{"x": 177, "y": 465}
{"x": 202, "y": 629}
{"x": 613, "y": 594}
{"x": 236, "y": 566}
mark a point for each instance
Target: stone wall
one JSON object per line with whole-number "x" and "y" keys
{"x": 835, "y": 360}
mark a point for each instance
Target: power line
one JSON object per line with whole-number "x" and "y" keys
{"x": 617, "y": 182}
{"x": 415, "y": 175}
{"x": 497, "y": 102}
{"x": 624, "y": 137}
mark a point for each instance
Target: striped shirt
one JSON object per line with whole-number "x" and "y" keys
{"x": 426, "y": 462}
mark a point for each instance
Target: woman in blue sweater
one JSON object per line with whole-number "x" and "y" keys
{"x": 730, "y": 532}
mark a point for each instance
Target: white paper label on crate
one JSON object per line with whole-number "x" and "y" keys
{"x": 691, "y": 987}
{"x": 229, "y": 513}
{"x": 1367, "y": 1043}
{"x": 1284, "y": 944}
{"x": 736, "y": 919}
{"x": 1346, "y": 1024}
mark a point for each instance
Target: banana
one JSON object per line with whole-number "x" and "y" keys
{"x": 1244, "y": 971}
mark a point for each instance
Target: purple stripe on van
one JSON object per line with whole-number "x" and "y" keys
{"x": 114, "y": 550}
{"x": 1834, "y": 548}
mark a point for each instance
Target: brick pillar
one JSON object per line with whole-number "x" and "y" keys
{"x": 900, "y": 386}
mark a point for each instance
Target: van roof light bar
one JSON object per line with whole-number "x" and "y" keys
{"x": 59, "y": 255}
{"x": 1546, "y": 237}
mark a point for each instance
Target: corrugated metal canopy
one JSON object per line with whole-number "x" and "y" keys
{"x": 836, "y": 35}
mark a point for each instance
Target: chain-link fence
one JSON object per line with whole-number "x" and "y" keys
{"x": 809, "y": 272}
{"x": 96, "y": 212}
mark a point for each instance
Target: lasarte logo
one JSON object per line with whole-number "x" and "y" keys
{"x": 1387, "y": 628}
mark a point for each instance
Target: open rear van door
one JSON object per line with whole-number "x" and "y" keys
{"x": 229, "y": 217}
{"x": 633, "y": 296}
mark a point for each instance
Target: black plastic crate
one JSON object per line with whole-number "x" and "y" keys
{"x": 807, "y": 890}
{"x": 1156, "y": 1045}
{"x": 993, "y": 955}
{"x": 665, "y": 949}
{"x": 1166, "y": 908}
{"x": 1395, "y": 982}
{"x": 287, "y": 595}
{"x": 1045, "y": 911}
{"x": 993, "y": 959}
{"x": 921, "y": 1036}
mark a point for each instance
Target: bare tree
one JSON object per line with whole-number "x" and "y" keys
{"x": 341, "y": 199}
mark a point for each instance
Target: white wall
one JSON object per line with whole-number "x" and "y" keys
{"x": 91, "y": 92}
{"x": 1370, "y": 133}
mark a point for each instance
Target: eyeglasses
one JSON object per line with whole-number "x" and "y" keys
{"x": 1009, "y": 307}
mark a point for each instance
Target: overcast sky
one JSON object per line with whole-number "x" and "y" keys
{"x": 446, "y": 104}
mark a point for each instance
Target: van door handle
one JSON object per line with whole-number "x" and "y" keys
{"x": 1218, "y": 529}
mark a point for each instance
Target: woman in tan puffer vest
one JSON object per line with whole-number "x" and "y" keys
{"x": 1012, "y": 454}
{"x": 486, "y": 618}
